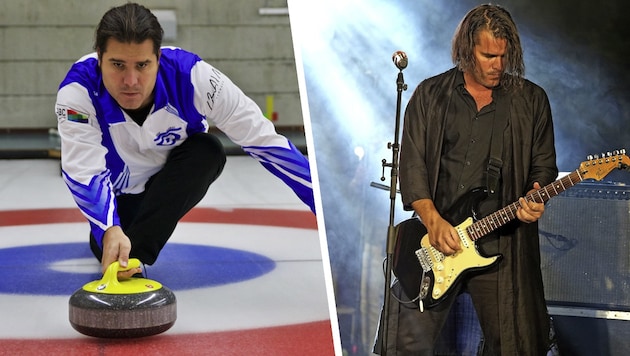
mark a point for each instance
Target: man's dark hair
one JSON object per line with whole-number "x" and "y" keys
{"x": 129, "y": 23}
{"x": 499, "y": 22}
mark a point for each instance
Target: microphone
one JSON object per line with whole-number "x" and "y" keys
{"x": 400, "y": 59}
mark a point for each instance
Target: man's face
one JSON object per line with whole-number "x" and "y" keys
{"x": 129, "y": 72}
{"x": 489, "y": 55}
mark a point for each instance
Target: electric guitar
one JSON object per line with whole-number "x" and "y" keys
{"x": 427, "y": 276}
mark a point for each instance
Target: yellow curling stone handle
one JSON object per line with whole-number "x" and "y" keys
{"x": 110, "y": 284}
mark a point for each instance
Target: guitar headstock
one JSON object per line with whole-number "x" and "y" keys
{"x": 597, "y": 167}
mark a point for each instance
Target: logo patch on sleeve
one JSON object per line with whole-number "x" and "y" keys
{"x": 77, "y": 116}
{"x": 65, "y": 113}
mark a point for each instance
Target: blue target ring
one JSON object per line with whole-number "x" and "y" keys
{"x": 180, "y": 267}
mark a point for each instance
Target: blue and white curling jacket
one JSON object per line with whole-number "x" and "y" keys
{"x": 105, "y": 153}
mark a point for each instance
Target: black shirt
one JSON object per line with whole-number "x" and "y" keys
{"x": 139, "y": 115}
{"x": 466, "y": 147}
{"x": 465, "y": 155}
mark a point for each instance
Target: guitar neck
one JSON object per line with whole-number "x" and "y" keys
{"x": 503, "y": 216}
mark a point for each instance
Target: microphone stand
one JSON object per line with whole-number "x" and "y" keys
{"x": 391, "y": 231}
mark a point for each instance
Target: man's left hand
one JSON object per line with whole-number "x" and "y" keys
{"x": 530, "y": 211}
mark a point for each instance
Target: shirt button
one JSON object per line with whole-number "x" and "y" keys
{"x": 461, "y": 186}
{"x": 468, "y": 163}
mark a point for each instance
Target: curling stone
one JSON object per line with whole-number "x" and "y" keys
{"x": 129, "y": 308}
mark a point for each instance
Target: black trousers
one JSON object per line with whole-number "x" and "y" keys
{"x": 149, "y": 218}
{"x": 415, "y": 333}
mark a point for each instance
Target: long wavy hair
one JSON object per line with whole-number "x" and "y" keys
{"x": 498, "y": 21}
{"x": 129, "y": 23}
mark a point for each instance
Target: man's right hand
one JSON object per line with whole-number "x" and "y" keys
{"x": 442, "y": 235}
{"x": 116, "y": 247}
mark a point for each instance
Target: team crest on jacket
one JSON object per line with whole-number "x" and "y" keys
{"x": 169, "y": 137}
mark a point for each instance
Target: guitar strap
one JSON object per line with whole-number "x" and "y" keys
{"x": 495, "y": 163}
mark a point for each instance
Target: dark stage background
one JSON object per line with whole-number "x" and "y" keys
{"x": 577, "y": 50}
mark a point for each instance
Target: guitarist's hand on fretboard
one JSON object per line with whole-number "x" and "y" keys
{"x": 529, "y": 210}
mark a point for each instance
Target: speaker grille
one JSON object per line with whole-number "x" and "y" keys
{"x": 585, "y": 247}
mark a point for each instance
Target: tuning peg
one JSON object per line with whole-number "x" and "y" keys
{"x": 589, "y": 157}
{"x": 622, "y": 151}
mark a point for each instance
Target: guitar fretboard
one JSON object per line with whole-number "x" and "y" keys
{"x": 501, "y": 217}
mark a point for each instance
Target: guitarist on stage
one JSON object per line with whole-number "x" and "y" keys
{"x": 453, "y": 122}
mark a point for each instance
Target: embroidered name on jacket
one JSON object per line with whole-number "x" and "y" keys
{"x": 168, "y": 138}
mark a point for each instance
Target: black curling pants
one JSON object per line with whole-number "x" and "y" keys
{"x": 149, "y": 218}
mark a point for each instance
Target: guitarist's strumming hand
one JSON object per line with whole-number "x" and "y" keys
{"x": 442, "y": 235}
{"x": 530, "y": 211}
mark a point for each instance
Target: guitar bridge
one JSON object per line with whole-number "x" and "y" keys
{"x": 425, "y": 260}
